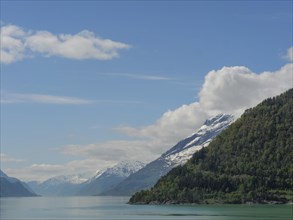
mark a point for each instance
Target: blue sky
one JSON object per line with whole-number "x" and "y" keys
{"x": 160, "y": 53}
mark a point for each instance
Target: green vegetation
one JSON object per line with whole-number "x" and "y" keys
{"x": 251, "y": 161}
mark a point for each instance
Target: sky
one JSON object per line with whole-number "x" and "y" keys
{"x": 86, "y": 84}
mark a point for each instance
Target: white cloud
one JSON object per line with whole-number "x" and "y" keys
{"x": 12, "y": 44}
{"x": 289, "y": 55}
{"x": 4, "y": 158}
{"x": 37, "y": 172}
{"x": 12, "y": 98}
{"x": 114, "y": 150}
{"x": 40, "y": 168}
{"x": 228, "y": 90}
{"x": 84, "y": 45}
{"x": 41, "y": 172}
{"x": 171, "y": 127}
{"x": 234, "y": 89}
{"x": 17, "y": 44}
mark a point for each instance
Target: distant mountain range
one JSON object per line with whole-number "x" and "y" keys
{"x": 128, "y": 177}
{"x": 249, "y": 162}
{"x": 12, "y": 187}
{"x": 58, "y": 186}
{"x": 146, "y": 177}
{"x": 73, "y": 185}
{"x": 109, "y": 178}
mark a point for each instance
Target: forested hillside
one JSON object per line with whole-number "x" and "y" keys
{"x": 251, "y": 161}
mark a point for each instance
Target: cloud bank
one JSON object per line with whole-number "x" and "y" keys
{"x": 43, "y": 171}
{"x": 17, "y": 44}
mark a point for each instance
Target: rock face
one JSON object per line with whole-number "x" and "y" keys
{"x": 249, "y": 162}
{"x": 146, "y": 177}
{"x": 12, "y": 187}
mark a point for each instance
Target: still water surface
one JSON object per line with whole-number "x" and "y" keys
{"x": 98, "y": 208}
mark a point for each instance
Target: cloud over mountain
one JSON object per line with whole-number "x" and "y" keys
{"x": 227, "y": 90}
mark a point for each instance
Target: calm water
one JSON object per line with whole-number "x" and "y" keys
{"x": 85, "y": 208}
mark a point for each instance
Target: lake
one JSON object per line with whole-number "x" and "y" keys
{"x": 86, "y": 208}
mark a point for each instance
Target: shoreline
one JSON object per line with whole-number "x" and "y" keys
{"x": 191, "y": 204}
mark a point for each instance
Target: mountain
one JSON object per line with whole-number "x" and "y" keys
{"x": 72, "y": 185}
{"x": 58, "y": 186}
{"x": 2, "y": 174}
{"x": 249, "y": 162}
{"x": 177, "y": 155}
{"x": 106, "y": 180}
{"x": 12, "y": 187}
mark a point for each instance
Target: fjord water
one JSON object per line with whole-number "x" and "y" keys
{"x": 89, "y": 208}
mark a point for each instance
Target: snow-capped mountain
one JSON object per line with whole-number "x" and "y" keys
{"x": 106, "y": 180}
{"x": 183, "y": 151}
{"x": 60, "y": 185}
{"x": 124, "y": 168}
{"x": 79, "y": 185}
{"x": 177, "y": 155}
{"x": 72, "y": 179}
{"x": 12, "y": 187}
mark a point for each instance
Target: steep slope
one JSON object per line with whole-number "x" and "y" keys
{"x": 177, "y": 155}
{"x": 109, "y": 178}
{"x": 12, "y": 187}
{"x": 58, "y": 186}
{"x": 2, "y": 174}
{"x": 251, "y": 161}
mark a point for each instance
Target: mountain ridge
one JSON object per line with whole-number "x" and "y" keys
{"x": 177, "y": 155}
{"x": 105, "y": 180}
{"x": 78, "y": 185}
{"x": 13, "y": 187}
{"x": 249, "y": 162}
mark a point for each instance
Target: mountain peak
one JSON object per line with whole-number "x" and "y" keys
{"x": 73, "y": 179}
{"x": 218, "y": 119}
{"x": 13, "y": 187}
{"x": 124, "y": 168}
{"x": 183, "y": 150}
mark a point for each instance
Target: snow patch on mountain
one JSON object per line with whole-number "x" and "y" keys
{"x": 72, "y": 179}
{"x": 109, "y": 178}
{"x": 179, "y": 154}
{"x": 183, "y": 151}
{"x": 122, "y": 169}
